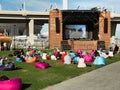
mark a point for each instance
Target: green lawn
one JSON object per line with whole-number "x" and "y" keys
{"x": 35, "y": 79}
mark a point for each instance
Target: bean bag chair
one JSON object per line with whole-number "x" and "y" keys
{"x": 63, "y": 55}
{"x": 31, "y": 59}
{"x": 99, "y": 60}
{"x": 92, "y": 53}
{"x": 11, "y": 84}
{"x": 79, "y": 51}
{"x": 110, "y": 54}
{"x": 76, "y": 59}
{"x": 72, "y": 55}
{"x": 42, "y": 65}
{"x": 18, "y": 59}
{"x": 48, "y": 57}
{"x": 87, "y": 58}
{"x": 99, "y": 51}
{"x": 67, "y": 59}
{"x": 10, "y": 66}
{"x": 50, "y": 53}
{"x": 81, "y": 63}
{"x": 31, "y": 52}
{"x": 56, "y": 53}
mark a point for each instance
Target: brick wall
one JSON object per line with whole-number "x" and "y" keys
{"x": 105, "y": 36}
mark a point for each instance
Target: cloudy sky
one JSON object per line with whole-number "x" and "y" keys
{"x": 42, "y": 5}
{"x": 46, "y": 5}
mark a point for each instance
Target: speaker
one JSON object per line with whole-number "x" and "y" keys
{"x": 57, "y": 21}
{"x": 101, "y": 44}
{"x": 105, "y": 25}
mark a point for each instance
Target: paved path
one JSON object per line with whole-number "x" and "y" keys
{"x": 105, "y": 78}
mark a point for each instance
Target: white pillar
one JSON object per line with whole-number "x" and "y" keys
{"x": 65, "y": 4}
{"x": 31, "y": 32}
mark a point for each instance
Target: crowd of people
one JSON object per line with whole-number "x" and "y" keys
{"x": 65, "y": 57}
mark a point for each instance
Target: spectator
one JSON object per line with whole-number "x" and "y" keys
{"x": 67, "y": 59}
{"x": 5, "y": 45}
{"x": 115, "y": 51}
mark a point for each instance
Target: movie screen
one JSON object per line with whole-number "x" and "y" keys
{"x": 75, "y": 32}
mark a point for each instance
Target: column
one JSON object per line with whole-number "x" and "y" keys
{"x": 31, "y": 32}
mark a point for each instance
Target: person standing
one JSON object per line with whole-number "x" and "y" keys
{"x": 116, "y": 49}
{"x": 5, "y": 45}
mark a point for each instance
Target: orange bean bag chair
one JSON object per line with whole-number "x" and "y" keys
{"x": 31, "y": 59}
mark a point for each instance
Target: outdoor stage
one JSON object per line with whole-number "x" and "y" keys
{"x": 79, "y": 29}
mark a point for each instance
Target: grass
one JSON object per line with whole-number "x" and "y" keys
{"x": 36, "y": 79}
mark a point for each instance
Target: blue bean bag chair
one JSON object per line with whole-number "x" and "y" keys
{"x": 99, "y": 60}
{"x": 72, "y": 55}
{"x": 76, "y": 59}
{"x": 18, "y": 59}
{"x": 8, "y": 67}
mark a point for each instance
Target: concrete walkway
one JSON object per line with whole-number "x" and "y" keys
{"x": 105, "y": 78}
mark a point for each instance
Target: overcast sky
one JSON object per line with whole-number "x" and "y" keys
{"x": 45, "y": 5}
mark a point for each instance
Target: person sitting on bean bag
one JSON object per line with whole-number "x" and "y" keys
{"x": 53, "y": 57}
{"x": 1, "y": 62}
{"x": 58, "y": 56}
{"x": 20, "y": 58}
{"x": 8, "y": 66}
{"x": 110, "y": 53}
{"x": 44, "y": 56}
{"x": 76, "y": 58}
{"x": 81, "y": 63}
{"x": 67, "y": 59}
{"x": 31, "y": 59}
{"x": 72, "y": 54}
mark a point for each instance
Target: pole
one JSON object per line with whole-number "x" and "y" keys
{"x": 65, "y": 4}
{"x": 14, "y": 36}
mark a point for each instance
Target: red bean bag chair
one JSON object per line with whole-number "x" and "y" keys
{"x": 63, "y": 55}
{"x": 31, "y": 59}
{"x": 56, "y": 53}
{"x": 11, "y": 84}
{"x": 42, "y": 65}
{"x": 62, "y": 59}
